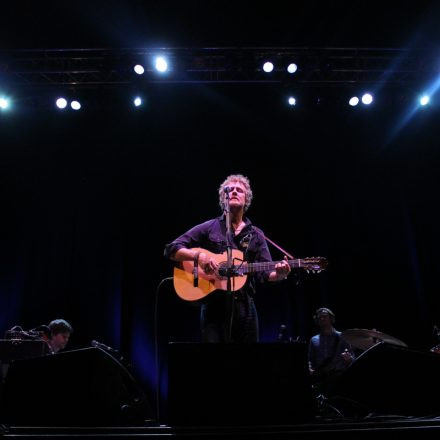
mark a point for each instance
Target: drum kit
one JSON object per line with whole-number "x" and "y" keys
{"x": 364, "y": 339}
{"x": 436, "y": 333}
{"x": 435, "y": 349}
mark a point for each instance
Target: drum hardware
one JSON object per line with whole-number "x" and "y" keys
{"x": 435, "y": 349}
{"x": 364, "y": 339}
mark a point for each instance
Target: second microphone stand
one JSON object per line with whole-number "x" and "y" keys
{"x": 229, "y": 270}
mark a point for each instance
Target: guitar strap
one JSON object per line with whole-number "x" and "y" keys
{"x": 285, "y": 253}
{"x": 278, "y": 247}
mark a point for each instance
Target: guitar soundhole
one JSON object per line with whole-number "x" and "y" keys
{"x": 222, "y": 270}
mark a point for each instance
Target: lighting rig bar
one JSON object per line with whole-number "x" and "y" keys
{"x": 93, "y": 68}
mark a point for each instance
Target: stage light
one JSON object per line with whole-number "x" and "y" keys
{"x": 367, "y": 98}
{"x": 75, "y": 105}
{"x": 424, "y": 100}
{"x": 4, "y": 103}
{"x": 139, "y": 69}
{"x": 61, "y": 103}
{"x": 291, "y": 101}
{"x": 354, "y": 100}
{"x": 268, "y": 67}
{"x": 137, "y": 101}
{"x": 292, "y": 68}
{"x": 161, "y": 64}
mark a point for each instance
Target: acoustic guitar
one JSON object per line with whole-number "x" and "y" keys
{"x": 189, "y": 290}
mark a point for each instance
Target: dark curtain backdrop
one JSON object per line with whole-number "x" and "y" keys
{"x": 89, "y": 199}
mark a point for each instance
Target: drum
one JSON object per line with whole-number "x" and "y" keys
{"x": 436, "y": 349}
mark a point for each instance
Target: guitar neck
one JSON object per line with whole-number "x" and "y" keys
{"x": 269, "y": 265}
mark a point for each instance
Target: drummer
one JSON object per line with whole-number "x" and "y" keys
{"x": 329, "y": 355}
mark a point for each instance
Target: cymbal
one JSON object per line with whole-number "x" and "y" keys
{"x": 365, "y": 339}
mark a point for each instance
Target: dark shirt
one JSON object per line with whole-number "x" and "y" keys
{"x": 325, "y": 352}
{"x": 211, "y": 235}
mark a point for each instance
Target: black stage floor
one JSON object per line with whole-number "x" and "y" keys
{"x": 423, "y": 428}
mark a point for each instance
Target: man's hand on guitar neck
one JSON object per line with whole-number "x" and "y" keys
{"x": 281, "y": 272}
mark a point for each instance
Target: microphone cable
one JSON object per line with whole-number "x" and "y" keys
{"x": 156, "y": 346}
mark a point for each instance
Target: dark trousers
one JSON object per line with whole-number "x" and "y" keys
{"x": 215, "y": 318}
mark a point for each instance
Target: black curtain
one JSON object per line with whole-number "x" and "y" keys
{"x": 89, "y": 200}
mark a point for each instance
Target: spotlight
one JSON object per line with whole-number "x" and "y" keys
{"x": 291, "y": 101}
{"x": 367, "y": 98}
{"x": 75, "y": 105}
{"x": 292, "y": 68}
{"x": 137, "y": 101}
{"x": 61, "y": 103}
{"x": 424, "y": 100}
{"x": 354, "y": 100}
{"x": 268, "y": 67}
{"x": 161, "y": 64}
{"x": 139, "y": 69}
{"x": 4, "y": 103}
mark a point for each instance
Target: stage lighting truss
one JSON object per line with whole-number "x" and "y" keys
{"x": 93, "y": 68}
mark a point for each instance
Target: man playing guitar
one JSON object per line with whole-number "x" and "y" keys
{"x": 329, "y": 354}
{"x": 227, "y": 318}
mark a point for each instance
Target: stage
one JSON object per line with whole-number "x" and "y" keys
{"x": 367, "y": 429}
{"x": 106, "y": 158}
{"x": 387, "y": 390}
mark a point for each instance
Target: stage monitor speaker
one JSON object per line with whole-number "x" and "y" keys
{"x": 387, "y": 379}
{"x": 238, "y": 384}
{"x": 86, "y": 387}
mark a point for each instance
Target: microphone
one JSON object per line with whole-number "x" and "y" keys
{"x": 282, "y": 334}
{"x": 102, "y": 346}
{"x": 227, "y": 189}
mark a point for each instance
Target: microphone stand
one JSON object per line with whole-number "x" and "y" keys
{"x": 229, "y": 269}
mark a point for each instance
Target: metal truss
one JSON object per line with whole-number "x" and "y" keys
{"x": 94, "y": 68}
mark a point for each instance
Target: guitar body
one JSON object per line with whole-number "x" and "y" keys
{"x": 184, "y": 277}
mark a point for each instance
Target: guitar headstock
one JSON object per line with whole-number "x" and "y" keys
{"x": 314, "y": 264}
